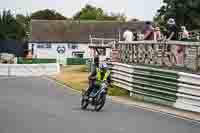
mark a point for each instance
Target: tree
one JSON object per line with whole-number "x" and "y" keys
{"x": 90, "y": 12}
{"x": 10, "y": 28}
{"x": 116, "y": 16}
{"x": 47, "y": 14}
{"x": 185, "y": 12}
{"x": 24, "y": 21}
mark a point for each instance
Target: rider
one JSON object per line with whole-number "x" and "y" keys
{"x": 97, "y": 76}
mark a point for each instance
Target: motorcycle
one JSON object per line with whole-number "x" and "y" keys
{"x": 97, "y": 97}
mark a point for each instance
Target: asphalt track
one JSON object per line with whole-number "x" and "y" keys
{"x": 38, "y": 105}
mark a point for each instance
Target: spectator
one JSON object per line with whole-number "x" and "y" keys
{"x": 172, "y": 34}
{"x": 148, "y": 31}
{"x": 172, "y": 30}
{"x": 184, "y": 33}
{"x": 128, "y": 35}
{"x": 157, "y": 34}
{"x": 140, "y": 36}
{"x": 96, "y": 61}
{"x": 197, "y": 36}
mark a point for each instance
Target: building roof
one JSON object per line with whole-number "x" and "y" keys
{"x": 78, "y": 31}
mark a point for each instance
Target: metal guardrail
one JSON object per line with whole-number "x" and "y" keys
{"x": 177, "y": 55}
{"x": 177, "y": 89}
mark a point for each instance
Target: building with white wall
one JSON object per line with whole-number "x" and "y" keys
{"x": 51, "y": 50}
{"x": 61, "y": 39}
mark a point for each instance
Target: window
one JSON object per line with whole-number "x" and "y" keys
{"x": 73, "y": 46}
{"x": 47, "y": 45}
{"x": 78, "y": 54}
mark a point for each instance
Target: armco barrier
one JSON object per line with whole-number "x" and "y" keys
{"x": 4, "y": 69}
{"x": 177, "y": 89}
{"x": 29, "y": 69}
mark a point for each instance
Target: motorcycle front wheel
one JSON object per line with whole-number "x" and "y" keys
{"x": 100, "y": 103}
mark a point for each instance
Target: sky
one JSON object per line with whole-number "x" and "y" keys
{"x": 140, "y": 9}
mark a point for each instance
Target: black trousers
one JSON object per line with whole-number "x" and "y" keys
{"x": 92, "y": 85}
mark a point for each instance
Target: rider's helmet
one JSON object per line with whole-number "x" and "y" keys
{"x": 103, "y": 66}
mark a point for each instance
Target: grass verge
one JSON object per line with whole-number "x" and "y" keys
{"x": 116, "y": 91}
{"x": 76, "y": 77}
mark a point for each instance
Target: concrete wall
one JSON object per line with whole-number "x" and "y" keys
{"x": 52, "y": 52}
{"x": 29, "y": 69}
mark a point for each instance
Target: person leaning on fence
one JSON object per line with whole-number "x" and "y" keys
{"x": 128, "y": 35}
{"x": 140, "y": 36}
{"x": 157, "y": 34}
{"x": 172, "y": 34}
{"x": 184, "y": 34}
{"x": 172, "y": 30}
{"x": 148, "y": 31}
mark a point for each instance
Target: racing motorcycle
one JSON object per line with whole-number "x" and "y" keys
{"x": 97, "y": 97}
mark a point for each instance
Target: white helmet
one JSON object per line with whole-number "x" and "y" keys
{"x": 103, "y": 66}
{"x": 171, "y": 21}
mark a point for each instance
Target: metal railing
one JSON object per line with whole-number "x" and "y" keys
{"x": 102, "y": 42}
{"x": 178, "y": 55}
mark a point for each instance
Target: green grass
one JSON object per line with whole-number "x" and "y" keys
{"x": 76, "y": 78}
{"x": 116, "y": 91}
{"x": 112, "y": 91}
{"x": 84, "y": 68}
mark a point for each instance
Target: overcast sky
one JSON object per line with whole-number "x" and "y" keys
{"x": 141, "y": 9}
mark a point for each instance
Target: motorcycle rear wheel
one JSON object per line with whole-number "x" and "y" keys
{"x": 84, "y": 103}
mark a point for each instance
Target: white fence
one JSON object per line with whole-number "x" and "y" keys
{"x": 176, "y": 55}
{"x": 29, "y": 69}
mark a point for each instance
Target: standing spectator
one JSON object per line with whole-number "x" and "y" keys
{"x": 177, "y": 50}
{"x": 184, "y": 33}
{"x": 157, "y": 34}
{"x": 197, "y": 36}
{"x": 172, "y": 30}
{"x": 140, "y": 36}
{"x": 148, "y": 31}
{"x": 96, "y": 62}
{"x": 128, "y": 35}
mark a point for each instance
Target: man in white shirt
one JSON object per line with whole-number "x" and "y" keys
{"x": 185, "y": 33}
{"x": 128, "y": 36}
